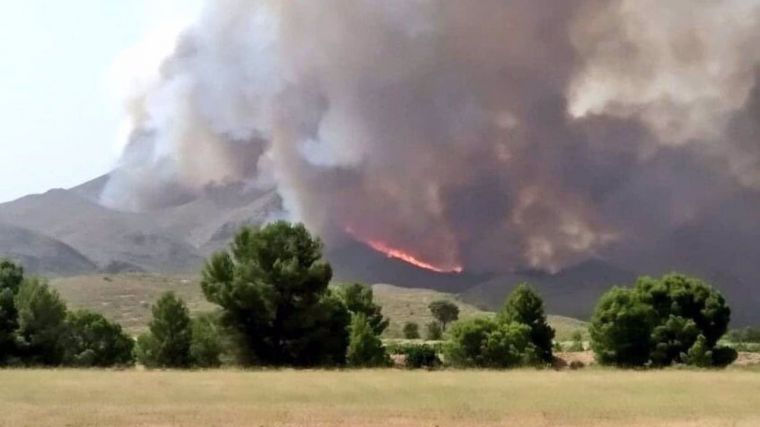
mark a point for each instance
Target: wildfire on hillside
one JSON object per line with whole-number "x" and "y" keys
{"x": 405, "y": 256}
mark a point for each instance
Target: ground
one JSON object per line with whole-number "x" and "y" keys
{"x": 592, "y": 397}
{"x": 126, "y": 298}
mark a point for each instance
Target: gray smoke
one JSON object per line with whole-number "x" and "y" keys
{"x": 489, "y": 134}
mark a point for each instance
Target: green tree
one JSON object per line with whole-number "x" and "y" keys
{"x": 167, "y": 344}
{"x": 434, "y": 331}
{"x": 525, "y": 306}
{"x": 94, "y": 341}
{"x": 444, "y": 312}
{"x": 411, "y": 331}
{"x": 272, "y": 286}
{"x": 359, "y": 298}
{"x": 41, "y": 323}
{"x": 659, "y": 321}
{"x": 365, "y": 349}
{"x": 699, "y": 354}
{"x": 621, "y": 328}
{"x": 483, "y": 342}
{"x": 11, "y": 277}
{"x": 206, "y": 346}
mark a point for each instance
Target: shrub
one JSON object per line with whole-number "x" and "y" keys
{"x": 576, "y": 345}
{"x": 411, "y": 331}
{"x": 699, "y": 354}
{"x": 272, "y": 287}
{"x": 167, "y": 345}
{"x": 526, "y": 307}
{"x": 434, "y": 331}
{"x": 41, "y": 323}
{"x": 483, "y": 342}
{"x": 365, "y": 348}
{"x": 723, "y": 356}
{"x": 444, "y": 311}
{"x": 419, "y": 356}
{"x": 206, "y": 345}
{"x": 94, "y": 341}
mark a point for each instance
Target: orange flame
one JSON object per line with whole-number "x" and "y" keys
{"x": 406, "y": 257}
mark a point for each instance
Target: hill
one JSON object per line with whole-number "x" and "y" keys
{"x": 126, "y": 298}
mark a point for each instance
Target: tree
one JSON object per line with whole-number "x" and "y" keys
{"x": 659, "y": 322}
{"x": 411, "y": 331}
{"x": 434, "y": 331}
{"x": 359, "y": 298}
{"x": 621, "y": 328}
{"x": 206, "y": 346}
{"x": 525, "y": 306}
{"x": 41, "y": 323}
{"x": 167, "y": 345}
{"x": 699, "y": 354}
{"x": 11, "y": 277}
{"x": 272, "y": 287}
{"x": 94, "y": 341}
{"x": 444, "y": 312}
{"x": 365, "y": 349}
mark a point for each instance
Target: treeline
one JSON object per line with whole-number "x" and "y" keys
{"x": 276, "y": 308}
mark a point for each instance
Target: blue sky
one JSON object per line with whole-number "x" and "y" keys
{"x": 59, "y": 122}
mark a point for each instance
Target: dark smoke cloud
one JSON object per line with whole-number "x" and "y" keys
{"x": 492, "y": 134}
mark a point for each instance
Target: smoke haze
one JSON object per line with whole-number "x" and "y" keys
{"x": 492, "y": 135}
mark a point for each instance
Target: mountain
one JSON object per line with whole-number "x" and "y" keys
{"x": 67, "y": 232}
{"x": 174, "y": 239}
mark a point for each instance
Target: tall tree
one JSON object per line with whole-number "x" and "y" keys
{"x": 92, "y": 340}
{"x": 167, "y": 344}
{"x": 444, "y": 312}
{"x": 11, "y": 276}
{"x": 525, "y": 306}
{"x": 41, "y": 323}
{"x": 272, "y": 286}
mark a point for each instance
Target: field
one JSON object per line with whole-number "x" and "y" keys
{"x": 380, "y": 398}
{"x": 126, "y": 298}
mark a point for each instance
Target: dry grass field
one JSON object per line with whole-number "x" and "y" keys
{"x": 379, "y": 398}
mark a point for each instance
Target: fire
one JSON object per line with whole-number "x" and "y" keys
{"x": 401, "y": 255}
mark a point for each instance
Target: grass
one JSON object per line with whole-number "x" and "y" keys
{"x": 126, "y": 298}
{"x": 379, "y": 398}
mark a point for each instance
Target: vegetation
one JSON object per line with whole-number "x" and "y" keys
{"x": 272, "y": 287}
{"x": 411, "y": 331}
{"x": 434, "y": 332}
{"x": 359, "y": 298}
{"x": 207, "y": 344}
{"x": 41, "y": 332}
{"x": 525, "y": 307}
{"x": 167, "y": 344}
{"x": 93, "y": 341}
{"x": 659, "y": 322}
{"x": 365, "y": 350}
{"x": 418, "y": 355}
{"x": 444, "y": 312}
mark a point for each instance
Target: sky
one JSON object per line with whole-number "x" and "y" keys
{"x": 59, "y": 113}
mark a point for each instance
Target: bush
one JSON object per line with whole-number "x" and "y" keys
{"x": 659, "y": 322}
{"x": 365, "y": 349}
{"x": 41, "y": 323}
{"x": 483, "y": 342}
{"x": 411, "y": 331}
{"x": 94, "y": 341}
{"x": 434, "y": 331}
{"x": 526, "y": 307}
{"x": 723, "y": 356}
{"x": 272, "y": 287}
{"x": 206, "y": 345}
{"x": 419, "y": 356}
{"x": 576, "y": 344}
{"x": 167, "y": 345}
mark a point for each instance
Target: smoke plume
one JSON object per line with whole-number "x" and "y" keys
{"x": 492, "y": 135}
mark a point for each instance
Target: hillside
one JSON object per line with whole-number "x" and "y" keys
{"x": 126, "y": 298}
